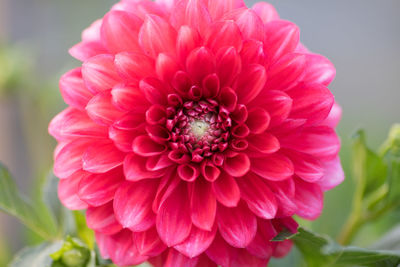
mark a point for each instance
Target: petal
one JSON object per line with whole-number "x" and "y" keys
{"x": 122, "y": 138}
{"x": 252, "y": 52}
{"x": 166, "y": 187}
{"x": 275, "y": 167}
{"x": 119, "y": 31}
{"x": 249, "y": 23}
{"x": 197, "y": 242}
{"x": 188, "y": 172}
{"x": 135, "y": 169}
{"x": 200, "y": 63}
{"x": 237, "y": 165}
{"x": 319, "y": 141}
{"x": 101, "y": 110}
{"x": 156, "y": 36}
{"x": 309, "y": 199}
{"x": 277, "y": 103}
{"x": 144, "y": 146}
{"x": 187, "y": 40}
{"x": 283, "y": 248}
{"x": 154, "y": 90}
{"x": 175, "y": 258}
{"x": 226, "y": 190}
{"x": 134, "y": 65}
{"x": 98, "y": 189}
{"x": 69, "y": 159}
{"x": 244, "y": 258}
{"x": 99, "y": 73}
{"x": 229, "y": 65}
{"x": 264, "y": 143}
{"x": 211, "y": 86}
{"x": 224, "y": 33}
{"x": 132, "y": 205}
{"x": 219, "y": 251}
{"x": 73, "y": 89}
{"x": 311, "y": 102}
{"x": 219, "y": 8}
{"x": 72, "y": 123}
{"x": 286, "y": 72}
{"x": 203, "y": 204}
{"x": 258, "y": 196}
{"x": 238, "y": 226}
{"x": 210, "y": 171}
{"x": 85, "y": 50}
{"x": 261, "y": 245}
{"x": 250, "y": 83}
{"x": 156, "y": 114}
{"x": 173, "y": 218}
{"x": 265, "y": 11}
{"x": 307, "y": 167}
{"x": 67, "y": 192}
{"x": 334, "y": 116}
{"x": 129, "y": 98}
{"x": 166, "y": 67}
{"x": 319, "y": 70}
{"x": 284, "y": 193}
{"x": 92, "y": 33}
{"x": 148, "y": 242}
{"x": 281, "y": 38}
{"x": 102, "y": 157}
{"x": 101, "y": 219}
{"x": 228, "y": 98}
{"x": 333, "y": 174}
{"x": 158, "y": 162}
{"x": 258, "y": 120}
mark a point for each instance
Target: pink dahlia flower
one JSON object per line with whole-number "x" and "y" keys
{"x": 195, "y": 130}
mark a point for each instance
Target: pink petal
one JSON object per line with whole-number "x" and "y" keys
{"x": 229, "y": 65}
{"x": 187, "y": 40}
{"x": 158, "y": 133}
{"x": 244, "y": 258}
{"x": 282, "y": 38}
{"x": 253, "y": 52}
{"x": 211, "y": 85}
{"x": 101, "y": 110}
{"x": 98, "y": 189}
{"x": 277, "y": 103}
{"x": 135, "y": 169}
{"x": 240, "y": 131}
{"x": 259, "y": 197}
{"x": 258, "y": 120}
{"x": 85, "y": 50}
{"x": 158, "y": 162}
{"x": 334, "y": 116}
{"x": 307, "y": 167}
{"x": 238, "y": 226}
{"x": 173, "y": 218}
{"x": 129, "y": 98}
{"x": 156, "y": 36}
{"x": 188, "y": 172}
{"x": 319, "y": 70}
{"x": 265, "y": 11}
{"x": 333, "y": 174}
{"x": 311, "y": 102}
{"x": 72, "y": 123}
{"x": 283, "y": 248}
{"x": 119, "y": 31}
{"x": 264, "y": 143}
{"x": 132, "y": 205}
{"x": 249, "y": 23}
{"x": 102, "y": 157}
{"x": 134, "y": 65}
{"x": 319, "y": 141}
{"x": 167, "y": 185}
{"x": 222, "y": 34}
{"x": 120, "y": 248}
{"x": 156, "y": 114}
{"x": 220, "y": 8}
{"x": 148, "y": 242}
{"x": 99, "y": 73}
{"x": 250, "y": 83}
{"x": 67, "y": 192}
{"x": 101, "y": 219}
{"x": 284, "y": 193}
{"x": 123, "y": 138}
{"x": 166, "y": 67}
{"x": 197, "y": 242}
{"x": 261, "y": 245}
{"x": 203, "y": 204}
{"x": 141, "y": 7}
{"x": 309, "y": 199}
{"x": 73, "y": 89}
{"x": 228, "y": 98}
{"x": 154, "y": 90}
{"x": 209, "y": 171}
{"x": 226, "y": 190}
{"x": 175, "y": 258}
{"x": 286, "y": 72}
{"x": 274, "y": 167}
{"x": 219, "y": 251}
{"x": 193, "y": 13}
{"x": 237, "y": 165}
{"x": 69, "y": 159}
{"x": 144, "y": 146}
{"x": 240, "y": 114}
{"x": 200, "y": 63}
{"x": 92, "y": 33}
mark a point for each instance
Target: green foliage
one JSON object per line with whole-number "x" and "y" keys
{"x": 73, "y": 253}
{"x": 319, "y": 250}
{"x": 37, "y": 256}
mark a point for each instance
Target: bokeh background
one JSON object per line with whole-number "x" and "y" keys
{"x": 361, "y": 37}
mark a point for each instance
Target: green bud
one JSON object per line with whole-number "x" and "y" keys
{"x": 73, "y": 253}
{"x": 392, "y": 143}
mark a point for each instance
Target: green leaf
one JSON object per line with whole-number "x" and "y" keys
{"x": 369, "y": 169}
{"x": 390, "y": 241}
{"x": 15, "y": 204}
{"x": 319, "y": 250}
{"x": 38, "y": 256}
{"x": 283, "y": 235}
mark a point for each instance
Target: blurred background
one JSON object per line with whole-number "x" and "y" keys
{"x": 361, "y": 37}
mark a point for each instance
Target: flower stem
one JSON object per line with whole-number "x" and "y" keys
{"x": 350, "y": 229}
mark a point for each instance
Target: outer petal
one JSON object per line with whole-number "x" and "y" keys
{"x": 319, "y": 70}
{"x": 85, "y": 50}
{"x": 98, "y": 189}
{"x": 197, "y": 242}
{"x": 73, "y": 89}
{"x": 219, "y": 251}
{"x": 134, "y": 65}
{"x": 309, "y": 199}
{"x": 175, "y": 258}
{"x": 102, "y": 157}
{"x": 203, "y": 204}
{"x": 238, "y": 226}
{"x": 275, "y": 167}
{"x": 132, "y": 205}
{"x": 129, "y": 98}
{"x": 224, "y": 33}
{"x": 173, "y": 218}
{"x": 261, "y": 245}
{"x": 101, "y": 110}
{"x": 265, "y": 11}
{"x": 67, "y": 192}
{"x": 149, "y": 243}
{"x": 250, "y": 83}
{"x": 249, "y": 23}
{"x": 135, "y": 169}
{"x": 334, "y": 116}
{"x": 333, "y": 174}
{"x": 258, "y": 196}
{"x": 102, "y": 219}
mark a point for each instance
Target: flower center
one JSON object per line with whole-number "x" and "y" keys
{"x": 199, "y": 128}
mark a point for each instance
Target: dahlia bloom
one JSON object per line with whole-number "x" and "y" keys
{"x": 195, "y": 130}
